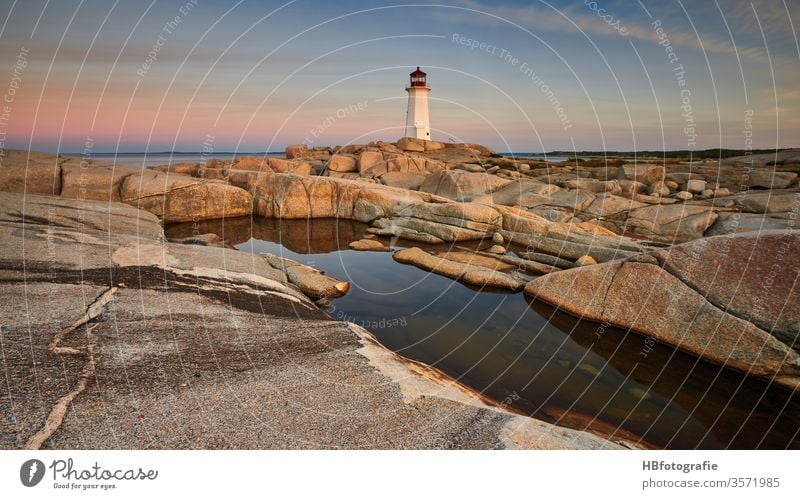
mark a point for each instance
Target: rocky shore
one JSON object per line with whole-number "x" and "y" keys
{"x": 700, "y": 256}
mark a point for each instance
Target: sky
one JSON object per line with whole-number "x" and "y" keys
{"x": 160, "y": 75}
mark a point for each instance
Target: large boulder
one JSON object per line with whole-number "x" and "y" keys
{"x": 674, "y": 308}
{"x": 252, "y": 163}
{"x": 751, "y": 275}
{"x": 520, "y": 191}
{"x": 773, "y": 201}
{"x": 605, "y": 205}
{"x": 179, "y": 198}
{"x": 368, "y": 160}
{"x": 768, "y": 179}
{"x": 38, "y": 173}
{"x": 403, "y": 180}
{"x": 464, "y": 272}
{"x": 432, "y": 145}
{"x": 291, "y": 196}
{"x": 671, "y": 223}
{"x": 342, "y": 163}
{"x": 461, "y": 185}
{"x": 100, "y": 182}
{"x": 729, "y": 223}
{"x": 312, "y": 282}
{"x": 411, "y": 144}
{"x": 296, "y": 151}
{"x": 570, "y": 241}
{"x": 60, "y": 216}
{"x": 645, "y": 173}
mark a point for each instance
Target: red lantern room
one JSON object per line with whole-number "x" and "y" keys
{"x": 418, "y": 78}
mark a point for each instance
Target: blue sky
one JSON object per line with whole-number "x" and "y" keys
{"x": 252, "y": 76}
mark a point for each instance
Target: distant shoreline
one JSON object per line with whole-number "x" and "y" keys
{"x": 704, "y": 153}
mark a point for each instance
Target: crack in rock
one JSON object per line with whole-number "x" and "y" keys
{"x": 60, "y": 408}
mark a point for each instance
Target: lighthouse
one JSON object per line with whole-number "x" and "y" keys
{"x": 418, "y": 123}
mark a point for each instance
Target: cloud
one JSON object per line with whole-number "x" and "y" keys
{"x": 544, "y": 18}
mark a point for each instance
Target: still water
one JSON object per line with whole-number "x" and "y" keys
{"x": 535, "y": 359}
{"x": 165, "y": 158}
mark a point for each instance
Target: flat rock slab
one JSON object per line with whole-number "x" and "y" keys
{"x": 671, "y": 223}
{"x": 180, "y": 198}
{"x": 752, "y": 275}
{"x": 462, "y": 185}
{"x": 368, "y": 245}
{"x": 464, "y": 272}
{"x": 651, "y": 301}
{"x": 730, "y": 223}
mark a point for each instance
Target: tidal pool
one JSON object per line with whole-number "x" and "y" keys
{"x": 527, "y": 355}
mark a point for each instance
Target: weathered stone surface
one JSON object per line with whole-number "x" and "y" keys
{"x": 296, "y": 151}
{"x": 289, "y": 197}
{"x": 547, "y": 259}
{"x": 460, "y": 185}
{"x": 483, "y": 259}
{"x": 771, "y": 179}
{"x": 254, "y": 163}
{"x": 673, "y": 223}
{"x": 786, "y": 157}
{"x": 74, "y": 215}
{"x": 565, "y": 240}
{"x": 426, "y": 231}
{"x": 650, "y": 199}
{"x": 729, "y": 223}
{"x": 100, "y": 183}
{"x": 403, "y": 180}
{"x": 342, "y": 163}
{"x": 752, "y": 276}
{"x": 209, "y": 239}
{"x": 36, "y": 173}
{"x": 312, "y": 282}
{"x": 684, "y": 195}
{"x": 659, "y": 188}
{"x": 680, "y": 178}
{"x": 369, "y": 159}
{"x": 184, "y": 168}
{"x": 497, "y": 250}
{"x": 297, "y": 166}
{"x": 695, "y": 186}
{"x": 468, "y": 215}
{"x": 669, "y": 311}
{"x": 471, "y": 167}
{"x": 178, "y": 198}
{"x": 553, "y": 214}
{"x": 765, "y": 202}
{"x": 411, "y": 144}
{"x": 368, "y": 245}
{"x": 585, "y": 260}
{"x": 516, "y": 193}
{"x": 644, "y": 172}
{"x": 605, "y": 205}
{"x": 573, "y": 199}
{"x": 464, "y": 272}
{"x": 593, "y": 185}
{"x": 432, "y": 145}
{"x": 302, "y": 168}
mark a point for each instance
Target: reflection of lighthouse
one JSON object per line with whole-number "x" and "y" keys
{"x": 418, "y": 124}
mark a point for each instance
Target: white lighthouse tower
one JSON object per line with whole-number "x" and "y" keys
{"x": 418, "y": 123}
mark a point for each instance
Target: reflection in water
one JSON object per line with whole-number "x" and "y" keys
{"x": 299, "y": 236}
{"x": 543, "y": 363}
